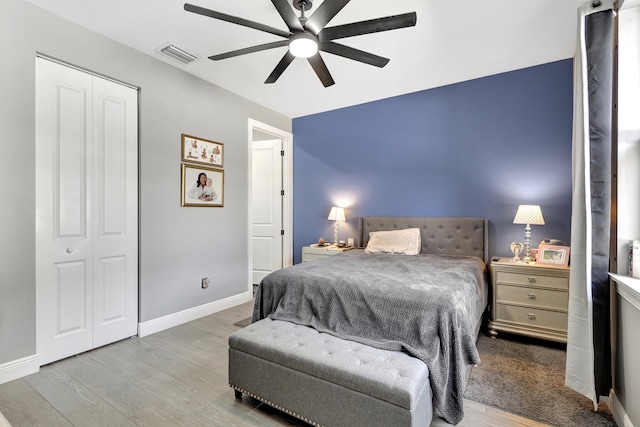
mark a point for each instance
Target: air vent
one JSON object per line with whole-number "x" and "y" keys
{"x": 178, "y": 54}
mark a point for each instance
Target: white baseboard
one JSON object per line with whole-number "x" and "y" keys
{"x": 175, "y": 319}
{"x": 19, "y": 368}
{"x": 618, "y": 411}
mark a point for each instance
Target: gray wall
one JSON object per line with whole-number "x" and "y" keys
{"x": 627, "y": 371}
{"x": 627, "y": 375}
{"x": 178, "y": 245}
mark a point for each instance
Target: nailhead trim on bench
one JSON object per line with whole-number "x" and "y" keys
{"x": 278, "y": 407}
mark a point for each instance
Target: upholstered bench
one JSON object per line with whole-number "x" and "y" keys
{"x": 328, "y": 381}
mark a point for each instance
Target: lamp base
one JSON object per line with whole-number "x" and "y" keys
{"x": 527, "y": 241}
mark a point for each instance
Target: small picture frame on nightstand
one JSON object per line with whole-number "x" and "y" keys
{"x": 556, "y": 256}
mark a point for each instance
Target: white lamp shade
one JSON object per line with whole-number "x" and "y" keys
{"x": 337, "y": 214}
{"x": 303, "y": 45}
{"x": 529, "y": 214}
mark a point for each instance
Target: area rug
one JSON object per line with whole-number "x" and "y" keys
{"x": 526, "y": 378}
{"x": 243, "y": 322}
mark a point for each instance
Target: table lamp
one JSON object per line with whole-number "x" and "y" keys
{"x": 528, "y": 214}
{"x": 336, "y": 214}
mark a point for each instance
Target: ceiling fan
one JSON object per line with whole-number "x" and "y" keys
{"x": 307, "y": 36}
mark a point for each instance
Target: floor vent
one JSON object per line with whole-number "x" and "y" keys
{"x": 178, "y": 54}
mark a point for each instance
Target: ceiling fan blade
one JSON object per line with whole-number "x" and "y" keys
{"x": 355, "y": 54}
{"x": 321, "y": 69}
{"x": 282, "y": 65}
{"x": 288, "y": 15}
{"x": 369, "y": 26}
{"x": 235, "y": 20}
{"x": 251, "y": 49}
{"x": 325, "y": 13}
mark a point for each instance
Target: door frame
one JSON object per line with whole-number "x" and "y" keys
{"x": 287, "y": 200}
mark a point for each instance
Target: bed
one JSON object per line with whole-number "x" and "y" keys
{"x": 428, "y": 305}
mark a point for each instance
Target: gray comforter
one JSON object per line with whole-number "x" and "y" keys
{"x": 425, "y": 305}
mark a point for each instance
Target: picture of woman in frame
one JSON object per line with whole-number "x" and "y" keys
{"x": 202, "y": 189}
{"x": 201, "y": 186}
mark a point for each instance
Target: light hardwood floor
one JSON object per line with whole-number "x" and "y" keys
{"x": 176, "y": 377}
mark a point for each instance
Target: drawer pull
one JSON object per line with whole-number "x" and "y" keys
{"x": 531, "y": 296}
{"x": 531, "y": 316}
{"x": 531, "y": 279}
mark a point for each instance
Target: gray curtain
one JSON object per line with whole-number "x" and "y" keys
{"x": 599, "y": 40}
{"x": 588, "y": 347}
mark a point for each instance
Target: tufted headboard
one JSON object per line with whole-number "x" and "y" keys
{"x": 450, "y": 236}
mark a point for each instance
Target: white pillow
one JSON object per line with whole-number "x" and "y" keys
{"x": 405, "y": 242}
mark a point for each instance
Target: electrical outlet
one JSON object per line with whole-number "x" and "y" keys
{"x": 205, "y": 282}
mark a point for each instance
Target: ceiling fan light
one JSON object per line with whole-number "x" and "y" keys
{"x": 303, "y": 45}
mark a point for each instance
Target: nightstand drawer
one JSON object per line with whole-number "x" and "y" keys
{"x": 534, "y": 297}
{"x": 313, "y": 256}
{"x": 532, "y": 280}
{"x": 532, "y": 317}
{"x": 311, "y": 253}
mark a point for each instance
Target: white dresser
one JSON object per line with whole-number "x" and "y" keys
{"x": 529, "y": 299}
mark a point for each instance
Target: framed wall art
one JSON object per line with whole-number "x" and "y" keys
{"x": 202, "y": 151}
{"x": 201, "y": 186}
{"x": 551, "y": 255}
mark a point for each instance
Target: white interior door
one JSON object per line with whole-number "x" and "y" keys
{"x": 266, "y": 208}
{"x": 63, "y": 249}
{"x": 115, "y": 214}
{"x": 86, "y": 211}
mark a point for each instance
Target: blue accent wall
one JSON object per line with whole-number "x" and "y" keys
{"x": 478, "y": 148}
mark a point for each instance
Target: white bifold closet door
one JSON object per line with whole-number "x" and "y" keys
{"x": 86, "y": 211}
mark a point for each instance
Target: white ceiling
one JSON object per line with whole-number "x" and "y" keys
{"x": 453, "y": 41}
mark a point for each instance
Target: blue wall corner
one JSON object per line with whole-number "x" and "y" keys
{"x": 478, "y": 148}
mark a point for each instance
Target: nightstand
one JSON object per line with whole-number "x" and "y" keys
{"x": 529, "y": 299}
{"x": 310, "y": 253}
